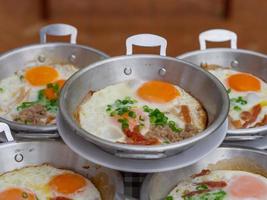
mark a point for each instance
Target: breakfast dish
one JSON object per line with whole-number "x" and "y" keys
{"x": 45, "y": 182}
{"x": 248, "y": 97}
{"x": 221, "y": 185}
{"x": 30, "y": 96}
{"x": 141, "y": 113}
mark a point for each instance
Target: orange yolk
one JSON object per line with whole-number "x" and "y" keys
{"x": 248, "y": 186}
{"x": 67, "y": 183}
{"x": 243, "y": 82}
{"x": 157, "y": 92}
{"x": 41, "y": 75}
{"x": 16, "y": 194}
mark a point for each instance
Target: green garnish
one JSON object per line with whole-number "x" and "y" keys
{"x": 217, "y": 195}
{"x": 166, "y": 142}
{"x": 21, "y": 77}
{"x": 237, "y": 108}
{"x": 109, "y": 107}
{"x": 147, "y": 109}
{"x": 228, "y": 90}
{"x": 54, "y": 86}
{"x": 1, "y": 90}
{"x": 132, "y": 114}
{"x": 173, "y": 127}
{"x": 202, "y": 187}
{"x": 141, "y": 125}
{"x": 169, "y": 198}
{"x": 124, "y": 123}
{"x": 127, "y": 105}
{"x": 50, "y": 105}
{"x": 121, "y": 107}
{"x": 158, "y": 118}
{"x": 24, "y": 105}
{"x": 236, "y": 103}
{"x": 239, "y": 100}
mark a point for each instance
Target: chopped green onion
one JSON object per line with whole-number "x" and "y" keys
{"x": 25, "y": 105}
{"x": 113, "y": 113}
{"x": 1, "y": 90}
{"x": 241, "y": 100}
{"x": 124, "y": 123}
{"x": 202, "y": 187}
{"x": 173, "y": 127}
{"x": 169, "y": 198}
{"x": 158, "y": 118}
{"x": 237, "y": 108}
{"x": 228, "y": 90}
{"x": 132, "y": 114}
{"x": 147, "y": 109}
{"x": 213, "y": 195}
{"x": 54, "y": 86}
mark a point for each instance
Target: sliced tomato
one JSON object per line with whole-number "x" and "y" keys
{"x": 138, "y": 139}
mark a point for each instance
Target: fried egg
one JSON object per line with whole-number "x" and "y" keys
{"x": 248, "y": 97}
{"x": 24, "y": 86}
{"x": 115, "y": 112}
{"x": 222, "y": 185}
{"x": 46, "y": 182}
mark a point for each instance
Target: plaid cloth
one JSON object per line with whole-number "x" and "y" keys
{"x": 132, "y": 183}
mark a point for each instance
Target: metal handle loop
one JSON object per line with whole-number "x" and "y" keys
{"x": 217, "y": 35}
{"x": 6, "y": 130}
{"x": 146, "y": 40}
{"x": 59, "y": 30}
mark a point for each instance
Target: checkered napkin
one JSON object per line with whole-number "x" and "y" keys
{"x": 132, "y": 183}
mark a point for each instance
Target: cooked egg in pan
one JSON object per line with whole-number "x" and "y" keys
{"x": 248, "y": 97}
{"x": 46, "y": 182}
{"x": 30, "y": 96}
{"x": 142, "y": 112}
{"x": 221, "y": 185}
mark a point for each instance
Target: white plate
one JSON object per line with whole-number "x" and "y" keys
{"x": 95, "y": 154}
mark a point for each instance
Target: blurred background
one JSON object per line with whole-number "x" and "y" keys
{"x": 105, "y": 24}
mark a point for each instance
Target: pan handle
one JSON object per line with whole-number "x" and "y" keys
{"x": 6, "y": 130}
{"x": 58, "y": 30}
{"x": 146, "y": 40}
{"x": 217, "y": 35}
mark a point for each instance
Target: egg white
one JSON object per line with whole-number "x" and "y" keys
{"x": 36, "y": 179}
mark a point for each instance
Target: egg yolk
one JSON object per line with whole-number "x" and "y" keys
{"x": 41, "y": 75}
{"x": 16, "y": 194}
{"x": 157, "y": 91}
{"x": 67, "y": 183}
{"x": 248, "y": 186}
{"x": 244, "y": 82}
